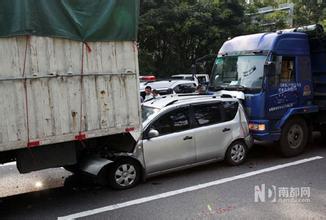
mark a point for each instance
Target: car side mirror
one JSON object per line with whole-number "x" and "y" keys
{"x": 153, "y": 133}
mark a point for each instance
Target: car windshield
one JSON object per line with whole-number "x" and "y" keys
{"x": 245, "y": 71}
{"x": 148, "y": 112}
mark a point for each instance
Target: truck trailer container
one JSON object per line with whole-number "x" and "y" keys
{"x": 68, "y": 83}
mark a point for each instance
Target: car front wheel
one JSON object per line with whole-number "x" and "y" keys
{"x": 123, "y": 174}
{"x": 236, "y": 154}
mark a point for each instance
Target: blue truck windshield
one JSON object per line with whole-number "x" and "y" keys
{"x": 245, "y": 71}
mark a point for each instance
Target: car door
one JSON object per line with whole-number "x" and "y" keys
{"x": 212, "y": 133}
{"x": 174, "y": 147}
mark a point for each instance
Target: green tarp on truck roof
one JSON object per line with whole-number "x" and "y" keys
{"x": 82, "y": 20}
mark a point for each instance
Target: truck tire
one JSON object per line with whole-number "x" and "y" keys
{"x": 123, "y": 174}
{"x": 236, "y": 153}
{"x": 294, "y": 137}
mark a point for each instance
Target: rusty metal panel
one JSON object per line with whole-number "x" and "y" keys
{"x": 51, "y": 90}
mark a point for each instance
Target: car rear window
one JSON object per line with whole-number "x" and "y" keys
{"x": 185, "y": 88}
{"x": 230, "y": 110}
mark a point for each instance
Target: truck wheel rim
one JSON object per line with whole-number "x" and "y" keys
{"x": 295, "y": 136}
{"x": 125, "y": 175}
{"x": 237, "y": 152}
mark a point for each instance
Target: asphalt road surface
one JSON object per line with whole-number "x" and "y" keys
{"x": 267, "y": 186}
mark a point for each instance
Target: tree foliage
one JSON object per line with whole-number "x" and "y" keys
{"x": 174, "y": 33}
{"x": 309, "y": 12}
{"x": 306, "y": 12}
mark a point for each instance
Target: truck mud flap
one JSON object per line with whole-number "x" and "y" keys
{"x": 43, "y": 157}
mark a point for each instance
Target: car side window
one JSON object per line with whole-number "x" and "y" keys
{"x": 174, "y": 121}
{"x": 201, "y": 79}
{"x": 189, "y": 78}
{"x": 207, "y": 114}
{"x": 185, "y": 88}
{"x": 230, "y": 109}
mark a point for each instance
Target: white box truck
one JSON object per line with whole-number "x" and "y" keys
{"x": 68, "y": 83}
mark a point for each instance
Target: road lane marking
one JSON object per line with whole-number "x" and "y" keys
{"x": 8, "y": 164}
{"x": 184, "y": 190}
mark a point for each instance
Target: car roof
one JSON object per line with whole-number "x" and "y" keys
{"x": 177, "y": 100}
{"x": 166, "y": 84}
{"x": 190, "y": 74}
{"x": 182, "y": 75}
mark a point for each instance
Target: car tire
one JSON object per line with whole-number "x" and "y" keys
{"x": 294, "y": 137}
{"x": 123, "y": 174}
{"x": 236, "y": 153}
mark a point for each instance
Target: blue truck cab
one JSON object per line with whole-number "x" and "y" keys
{"x": 283, "y": 78}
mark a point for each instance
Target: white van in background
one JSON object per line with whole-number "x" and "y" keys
{"x": 198, "y": 78}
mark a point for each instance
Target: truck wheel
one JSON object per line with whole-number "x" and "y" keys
{"x": 236, "y": 154}
{"x": 294, "y": 137}
{"x": 123, "y": 174}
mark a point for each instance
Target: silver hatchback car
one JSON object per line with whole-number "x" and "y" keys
{"x": 181, "y": 132}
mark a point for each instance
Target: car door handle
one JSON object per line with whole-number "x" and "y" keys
{"x": 187, "y": 138}
{"x": 226, "y": 129}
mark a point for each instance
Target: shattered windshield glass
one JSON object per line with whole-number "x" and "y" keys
{"x": 238, "y": 71}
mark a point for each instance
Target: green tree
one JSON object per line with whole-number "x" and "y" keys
{"x": 266, "y": 22}
{"x": 309, "y": 12}
{"x": 305, "y": 12}
{"x": 174, "y": 33}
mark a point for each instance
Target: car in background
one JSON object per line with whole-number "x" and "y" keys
{"x": 199, "y": 78}
{"x": 146, "y": 79}
{"x": 165, "y": 87}
{"x": 181, "y": 132}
